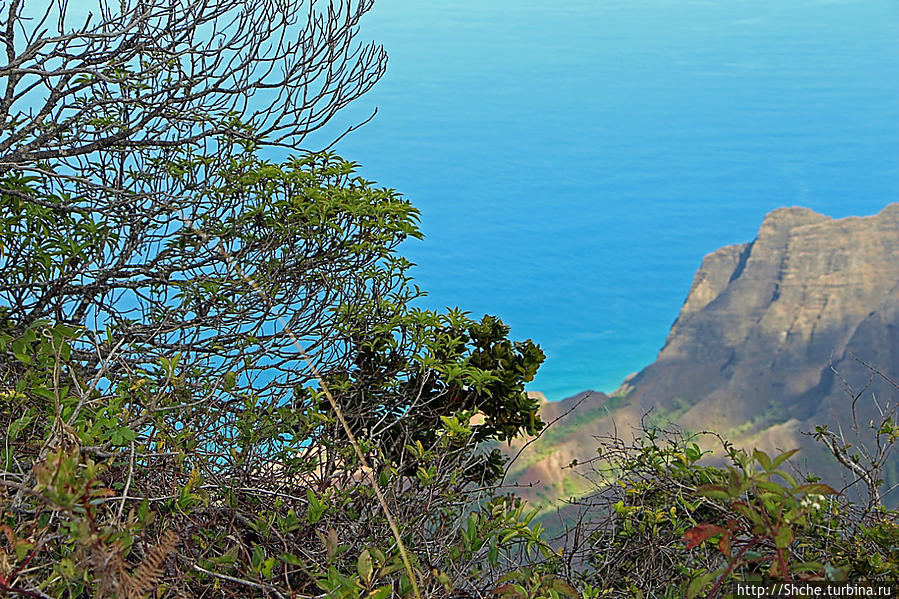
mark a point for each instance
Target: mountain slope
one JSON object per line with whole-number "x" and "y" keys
{"x": 763, "y": 346}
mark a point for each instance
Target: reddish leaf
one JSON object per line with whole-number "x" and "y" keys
{"x": 817, "y": 488}
{"x": 701, "y": 533}
{"x": 10, "y": 535}
{"x": 506, "y": 590}
{"x": 563, "y": 588}
{"x": 775, "y": 570}
{"x": 724, "y": 544}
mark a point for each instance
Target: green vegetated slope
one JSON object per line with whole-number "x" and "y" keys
{"x": 776, "y": 337}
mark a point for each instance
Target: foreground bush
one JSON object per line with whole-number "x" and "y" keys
{"x": 126, "y": 489}
{"x": 201, "y": 450}
{"x": 666, "y": 524}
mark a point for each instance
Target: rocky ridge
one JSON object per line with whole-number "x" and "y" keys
{"x": 763, "y": 349}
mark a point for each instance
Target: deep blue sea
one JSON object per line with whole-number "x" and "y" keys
{"x": 574, "y": 160}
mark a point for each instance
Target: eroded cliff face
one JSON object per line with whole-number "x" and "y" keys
{"x": 768, "y": 337}
{"x": 798, "y": 300}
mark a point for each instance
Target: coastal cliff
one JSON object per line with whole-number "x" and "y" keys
{"x": 767, "y": 346}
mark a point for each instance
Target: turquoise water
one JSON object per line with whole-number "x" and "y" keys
{"x": 573, "y": 164}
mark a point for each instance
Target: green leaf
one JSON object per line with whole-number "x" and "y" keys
{"x": 807, "y": 567}
{"x": 66, "y": 331}
{"x": 18, "y": 425}
{"x": 835, "y": 574}
{"x": 783, "y": 457}
{"x": 786, "y": 476}
{"x": 267, "y": 567}
{"x": 315, "y": 508}
{"x": 381, "y": 592}
{"x": 454, "y": 426}
{"x": 713, "y": 492}
{"x": 18, "y": 350}
{"x": 748, "y": 511}
{"x": 123, "y": 436}
{"x": 736, "y": 483}
{"x": 772, "y": 487}
{"x": 762, "y": 458}
{"x": 289, "y": 558}
{"x": 143, "y": 512}
{"x": 784, "y": 537}
{"x": 698, "y": 584}
{"x": 364, "y": 566}
{"x": 230, "y": 380}
{"x": 493, "y": 554}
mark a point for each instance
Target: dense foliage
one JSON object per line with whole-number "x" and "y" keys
{"x": 193, "y": 420}
{"x": 668, "y": 521}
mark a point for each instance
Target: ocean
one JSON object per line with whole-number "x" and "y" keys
{"x": 573, "y": 161}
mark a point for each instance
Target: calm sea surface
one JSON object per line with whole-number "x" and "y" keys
{"x": 574, "y": 160}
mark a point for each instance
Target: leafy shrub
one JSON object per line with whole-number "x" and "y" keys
{"x": 191, "y": 449}
{"x": 667, "y": 523}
